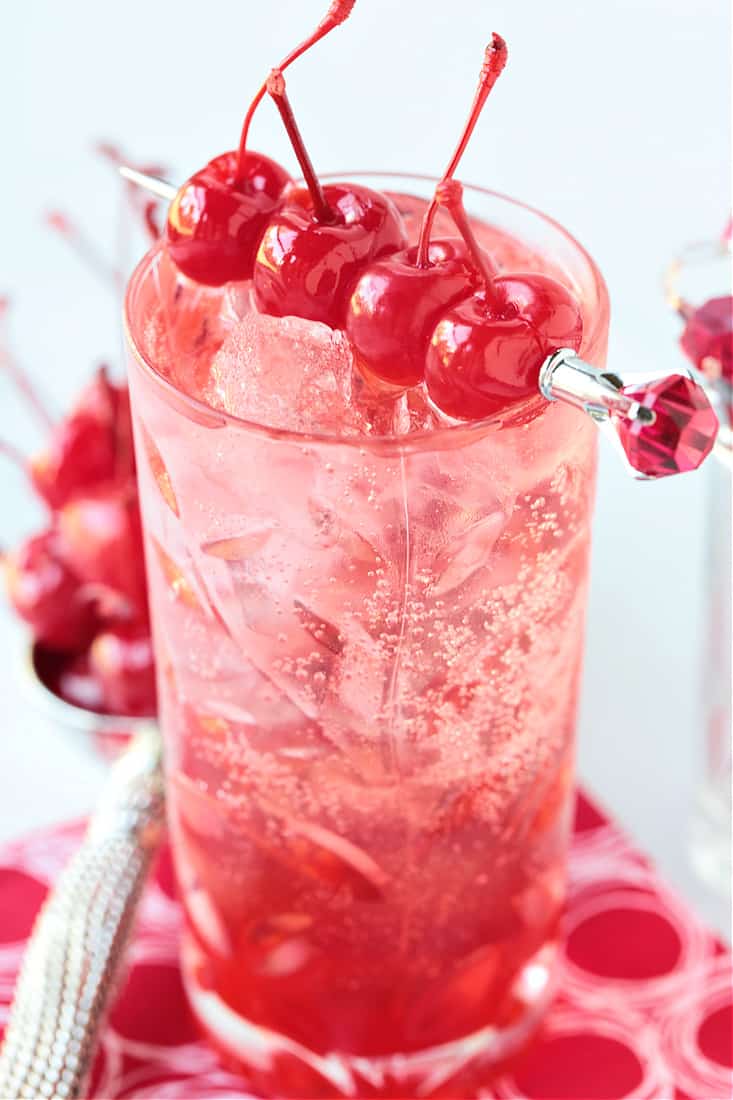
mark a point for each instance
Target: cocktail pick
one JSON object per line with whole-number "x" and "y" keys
{"x": 161, "y": 188}
{"x": 660, "y": 423}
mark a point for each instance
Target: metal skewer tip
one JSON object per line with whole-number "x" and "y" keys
{"x": 162, "y": 189}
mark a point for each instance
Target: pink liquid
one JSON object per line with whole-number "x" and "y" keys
{"x": 369, "y": 661}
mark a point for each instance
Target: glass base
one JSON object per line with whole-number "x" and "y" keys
{"x": 284, "y": 1068}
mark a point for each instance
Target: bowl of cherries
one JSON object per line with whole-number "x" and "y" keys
{"x": 78, "y": 585}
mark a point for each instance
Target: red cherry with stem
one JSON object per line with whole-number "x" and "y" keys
{"x": 397, "y": 301}
{"x": 216, "y": 219}
{"x": 100, "y": 535}
{"x": 485, "y": 352}
{"x": 215, "y": 222}
{"x": 394, "y": 305}
{"x": 495, "y": 58}
{"x": 313, "y": 248}
{"x": 121, "y": 659}
{"x": 338, "y": 13}
{"x": 47, "y": 594}
{"x": 91, "y": 446}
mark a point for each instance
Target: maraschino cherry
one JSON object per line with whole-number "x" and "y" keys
{"x": 101, "y": 534}
{"x": 216, "y": 219}
{"x": 397, "y": 301}
{"x": 88, "y": 448}
{"x": 46, "y": 594}
{"x": 121, "y": 658}
{"x": 486, "y": 351}
{"x": 314, "y": 246}
{"x": 81, "y": 581}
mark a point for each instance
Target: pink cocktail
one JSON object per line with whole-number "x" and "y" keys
{"x": 369, "y": 626}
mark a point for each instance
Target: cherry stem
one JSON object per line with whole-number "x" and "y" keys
{"x": 115, "y": 156}
{"x": 276, "y": 89}
{"x": 147, "y": 208}
{"x": 495, "y": 57}
{"x": 150, "y": 217}
{"x": 338, "y": 12}
{"x": 726, "y": 236}
{"x": 449, "y": 193}
{"x": 20, "y": 380}
{"x": 24, "y": 386}
{"x": 15, "y": 456}
{"x": 84, "y": 248}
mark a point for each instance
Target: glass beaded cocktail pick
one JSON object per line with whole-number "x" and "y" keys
{"x": 660, "y": 423}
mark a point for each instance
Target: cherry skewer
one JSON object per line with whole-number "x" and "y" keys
{"x": 161, "y": 188}
{"x": 662, "y": 423}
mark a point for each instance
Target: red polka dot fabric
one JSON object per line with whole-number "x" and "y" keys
{"x": 644, "y": 1010}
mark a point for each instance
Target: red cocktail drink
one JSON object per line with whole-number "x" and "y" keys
{"x": 368, "y": 621}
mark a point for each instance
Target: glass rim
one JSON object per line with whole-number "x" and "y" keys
{"x": 448, "y": 435}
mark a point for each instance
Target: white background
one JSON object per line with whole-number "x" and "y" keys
{"x": 611, "y": 116}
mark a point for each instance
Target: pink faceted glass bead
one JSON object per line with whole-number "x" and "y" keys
{"x": 708, "y": 338}
{"x": 682, "y": 433}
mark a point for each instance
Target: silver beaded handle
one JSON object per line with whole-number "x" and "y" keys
{"x": 79, "y": 938}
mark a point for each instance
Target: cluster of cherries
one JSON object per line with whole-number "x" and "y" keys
{"x": 439, "y": 312}
{"x": 80, "y": 584}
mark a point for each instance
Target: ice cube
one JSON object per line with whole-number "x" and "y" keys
{"x": 321, "y": 630}
{"x": 285, "y": 372}
{"x": 254, "y": 728}
{"x": 303, "y": 847}
{"x": 421, "y": 416}
{"x": 378, "y": 406}
{"x": 210, "y": 928}
{"x": 196, "y": 320}
{"x": 238, "y": 547}
{"x": 332, "y": 859}
{"x": 159, "y": 470}
{"x": 384, "y": 412}
{"x": 467, "y": 551}
{"x": 290, "y": 644}
{"x": 362, "y": 672}
{"x": 182, "y": 588}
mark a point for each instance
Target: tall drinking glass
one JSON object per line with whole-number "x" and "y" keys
{"x": 711, "y": 824}
{"x": 369, "y": 654}
{"x": 698, "y": 287}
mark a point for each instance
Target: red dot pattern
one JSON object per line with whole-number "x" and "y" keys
{"x": 643, "y": 1010}
{"x": 715, "y": 1036}
{"x": 580, "y": 1066}
{"x": 639, "y": 944}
